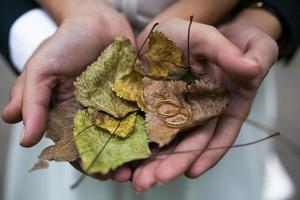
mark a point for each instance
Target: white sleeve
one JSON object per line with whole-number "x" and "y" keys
{"x": 27, "y": 33}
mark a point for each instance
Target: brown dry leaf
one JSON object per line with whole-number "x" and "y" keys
{"x": 164, "y": 58}
{"x": 41, "y": 164}
{"x": 109, "y": 123}
{"x": 60, "y": 130}
{"x": 173, "y": 106}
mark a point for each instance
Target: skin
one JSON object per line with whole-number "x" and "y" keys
{"x": 239, "y": 54}
{"x": 84, "y": 30}
{"x": 49, "y": 74}
{"x": 201, "y": 9}
{"x": 49, "y": 70}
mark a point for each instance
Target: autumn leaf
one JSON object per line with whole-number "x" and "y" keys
{"x": 130, "y": 87}
{"x": 41, "y": 164}
{"x": 117, "y": 152}
{"x": 93, "y": 88}
{"x": 108, "y": 122}
{"x": 60, "y": 130}
{"x": 164, "y": 59}
{"x": 109, "y": 132}
{"x": 174, "y": 106}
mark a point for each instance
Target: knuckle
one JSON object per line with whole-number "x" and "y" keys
{"x": 209, "y": 28}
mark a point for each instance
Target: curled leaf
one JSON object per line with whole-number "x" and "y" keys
{"x": 93, "y": 88}
{"x": 174, "y": 106}
{"x": 41, "y": 164}
{"x": 117, "y": 152}
{"x": 60, "y": 130}
{"x": 164, "y": 59}
{"x": 108, "y": 122}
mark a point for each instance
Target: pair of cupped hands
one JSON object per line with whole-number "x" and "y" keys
{"x": 238, "y": 56}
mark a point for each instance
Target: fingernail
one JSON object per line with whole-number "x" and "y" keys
{"x": 137, "y": 190}
{"x": 160, "y": 183}
{"x": 22, "y": 135}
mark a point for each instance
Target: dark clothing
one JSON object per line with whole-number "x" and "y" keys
{"x": 289, "y": 15}
{"x": 10, "y": 10}
{"x": 288, "y": 12}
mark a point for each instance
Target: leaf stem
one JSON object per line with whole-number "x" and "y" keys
{"x": 81, "y": 178}
{"x": 216, "y": 148}
{"x": 138, "y": 54}
{"x": 188, "y": 41}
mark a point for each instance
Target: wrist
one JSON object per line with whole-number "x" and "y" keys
{"x": 66, "y": 9}
{"x": 262, "y": 20}
{"x": 201, "y": 10}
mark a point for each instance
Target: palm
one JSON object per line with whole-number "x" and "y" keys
{"x": 227, "y": 61}
{"x": 68, "y": 52}
{"x": 49, "y": 74}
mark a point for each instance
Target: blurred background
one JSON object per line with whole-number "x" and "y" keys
{"x": 288, "y": 120}
{"x": 7, "y": 78}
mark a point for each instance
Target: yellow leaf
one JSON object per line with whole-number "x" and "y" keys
{"x": 130, "y": 87}
{"x": 164, "y": 58}
{"x": 108, "y": 122}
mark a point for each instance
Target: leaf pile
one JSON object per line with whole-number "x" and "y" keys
{"x": 93, "y": 88}
{"x": 112, "y": 91}
{"x": 106, "y": 126}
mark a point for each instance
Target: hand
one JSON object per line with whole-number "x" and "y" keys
{"x": 49, "y": 74}
{"x": 239, "y": 59}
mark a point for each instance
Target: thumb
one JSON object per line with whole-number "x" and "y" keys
{"x": 264, "y": 50}
{"x": 209, "y": 44}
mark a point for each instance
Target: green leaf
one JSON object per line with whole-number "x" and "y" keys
{"x": 93, "y": 88}
{"x": 91, "y": 139}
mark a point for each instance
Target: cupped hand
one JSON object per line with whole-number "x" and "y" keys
{"x": 49, "y": 74}
{"x": 237, "y": 56}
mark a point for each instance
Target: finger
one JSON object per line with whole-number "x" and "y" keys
{"x": 12, "y": 113}
{"x": 225, "y": 134}
{"x": 144, "y": 176}
{"x": 36, "y": 98}
{"x": 264, "y": 50}
{"x": 122, "y": 174}
{"x": 207, "y": 42}
{"x": 176, "y": 164}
